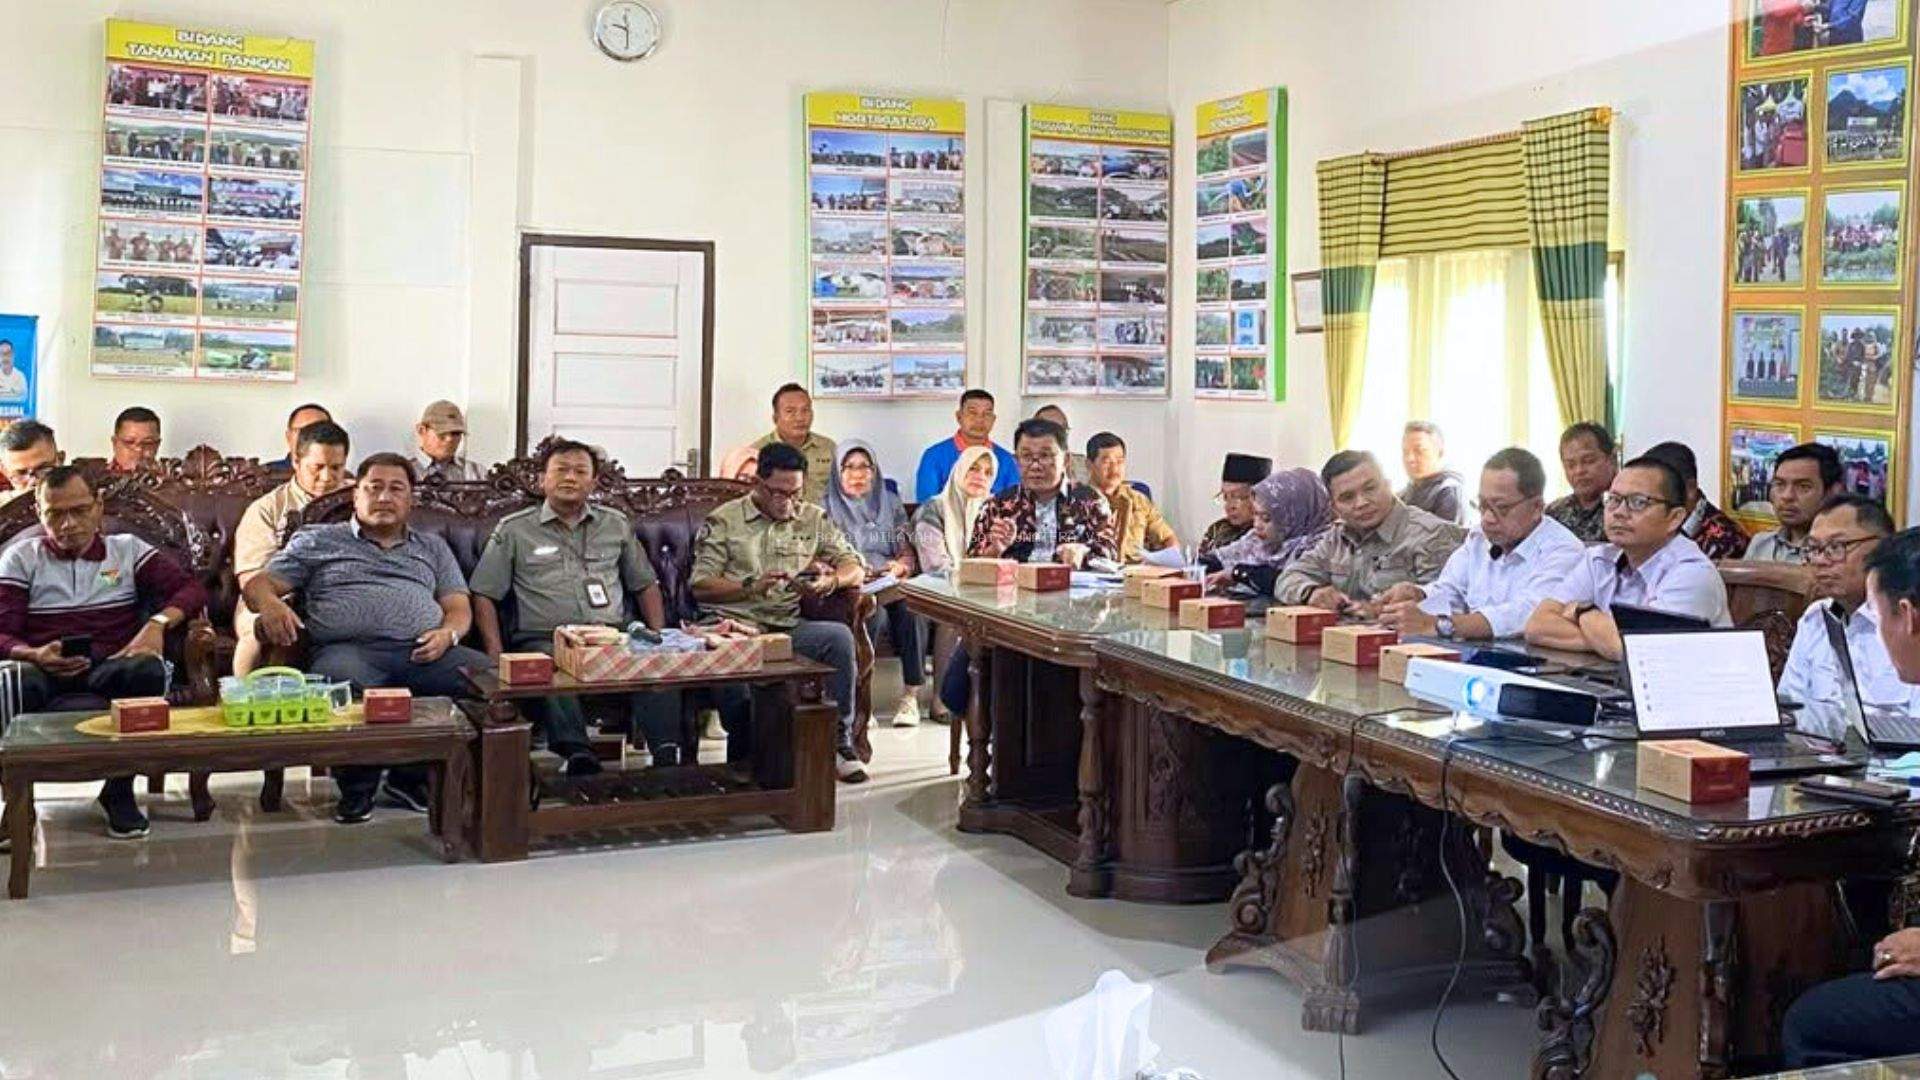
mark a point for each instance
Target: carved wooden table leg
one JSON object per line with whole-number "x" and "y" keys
{"x": 979, "y": 722}
{"x": 1334, "y": 1005}
{"x": 18, "y": 792}
{"x": 1251, "y": 907}
{"x": 1091, "y": 873}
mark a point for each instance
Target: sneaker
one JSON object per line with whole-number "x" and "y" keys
{"x": 354, "y": 807}
{"x": 849, "y": 767}
{"x": 405, "y": 795}
{"x": 711, "y": 729}
{"x": 908, "y": 714}
{"x": 666, "y": 754}
{"x": 124, "y": 819}
{"x": 583, "y": 763}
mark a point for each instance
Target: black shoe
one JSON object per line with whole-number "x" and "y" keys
{"x": 354, "y": 807}
{"x": 405, "y": 795}
{"x": 666, "y": 754}
{"x": 583, "y": 763}
{"x": 124, "y": 819}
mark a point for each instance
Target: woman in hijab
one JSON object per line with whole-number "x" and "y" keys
{"x": 1291, "y": 511}
{"x": 875, "y": 522}
{"x": 741, "y": 463}
{"x": 942, "y": 529}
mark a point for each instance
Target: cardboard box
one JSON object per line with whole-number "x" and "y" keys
{"x": 1043, "y": 576}
{"x": 1393, "y": 658}
{"x": 988, "y": 571}
{"x": 136, "y": 714}
{"x": 601, "y": 654}
{"x": 776, "y": 648}
{"x": 1132, "y": 577}
{"x": 1292, "y": 659}
{"x": 1299, "y": 625}
{"x": 1212, "y": 613}
{"x": 1693, "y": 771}
{"x": 1356, "y": 645}
{"x": 1166, "y": 593}
{"x": 526, "y": 668}
{"x": 388, "y": 705}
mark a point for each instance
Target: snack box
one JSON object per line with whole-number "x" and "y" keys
{"x": 1132, "y": 577}
{"x": 1299, "y": 625}
{"x": 1212, "y": 613}
{"x": 988, "y": 571}
{"x": 1167, "y": 593}
{"x": 1356, "y": 645}
{"x": 1393, "y": 658}
{"x": 388, "y": 705}
{"x": 1693, "y": 771}
{"x": 776, "y": 648}
{"x": 136, "y": 714}
{"x": 526, "y": 668}
{"x": 603, "y": 654}
{"x": 1043, "y": 576}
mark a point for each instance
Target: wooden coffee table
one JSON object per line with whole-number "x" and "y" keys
{"x": 49, "y": 747}
{"x": 789, "y": 778}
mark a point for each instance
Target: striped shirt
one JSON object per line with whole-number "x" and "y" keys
{"x": 107, "y": 591}
{"x": 357, "y": 590}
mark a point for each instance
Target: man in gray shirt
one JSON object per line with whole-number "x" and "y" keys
{"x": 1804, "y": 478}
{"x": 568, "y": 562}
{"x": 385, "y": 606}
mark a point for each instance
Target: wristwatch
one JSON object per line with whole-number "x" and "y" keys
{"x": 161, "y": 618}
{"x": 1443, "y": 626}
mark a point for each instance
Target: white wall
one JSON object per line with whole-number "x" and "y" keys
{"x": 1401, "y": 74}
{"x": 424, "y": 171}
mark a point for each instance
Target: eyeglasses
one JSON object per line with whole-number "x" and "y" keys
{"x": 856, "y": 467}
{"x": 778, "y": 495}
{"x": 1836, "y": 550}
{"x": 1498, "y": 510}
{"x": 1041, "y": 458}
{"x": 1232, "y": 498}
{"x": 1633, "y": 504}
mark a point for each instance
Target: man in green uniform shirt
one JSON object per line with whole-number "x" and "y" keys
{"x": 567, "y": 562}
{"x": 759, "y": 554}
{"x": 793, "y": 426}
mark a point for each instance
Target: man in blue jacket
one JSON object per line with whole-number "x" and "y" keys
{"x": 976, "y": 429}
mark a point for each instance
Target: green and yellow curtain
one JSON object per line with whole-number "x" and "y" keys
{"x": 1567, "y": 181}
{"x": 1544, "y": 188}
{"x": 1352, "y": 205}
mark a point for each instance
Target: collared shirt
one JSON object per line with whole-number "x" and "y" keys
{"x": 1717, "y": 535}
{"x": 107, "y": 591}
{"x": 357, "y": 590}
{"x": 1410, "y": 545}
{"x": 255, "y": 539}
{"x": 819, "y": 452}
{"x": 457, "y": 470}
{"x": 1138, "y": 526}
{"x": 1079, "y": 516}
{"x": 738, "y": 542}
{"x": 1813, "y": 674}
{"x": 1773, "y": 546}
{"x": 1505, "y": 586}
{"x": 1678, "y": 579}
{"x": 1589, "y": 523}
{"x": 552, "y": 569}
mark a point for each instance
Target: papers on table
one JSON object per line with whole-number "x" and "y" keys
{"x": 880, "y": 584}
{"x": 1169, "y": 557}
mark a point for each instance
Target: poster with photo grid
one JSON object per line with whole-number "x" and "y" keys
{"x": 1098, "y": 200}
{"x": 886, "y": 246}
{"x": 1818, "y": 324}
{"x": 1240, "y": 241}
{"x": 203, "y": 204}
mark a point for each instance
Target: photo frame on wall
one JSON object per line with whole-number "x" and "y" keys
{"x": 1866, "y": 459}
{"x": 1752, "y": 449}
{"x": 1859, "y": 359}
{"x": 1863, "y": 236}
{"x": 1766, "y": 354}
{"x": 1774, "y": 124}
{"x": 1240, "y": 239}
{"x": 1773, "y": 32}
{"x": 1769, "y": 240}
{"x": 1865, "y": 116}
{"x": 1309, "y": 306}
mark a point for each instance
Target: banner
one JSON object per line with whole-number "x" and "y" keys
{"x": 19, "y": 366}
{"x": 203, "y": 191}
{"x": 1240, "y": 243}
{"x": 1097, "y": 208}
{"x": 1818, "y": 327}
{"x": 887, "y": 245}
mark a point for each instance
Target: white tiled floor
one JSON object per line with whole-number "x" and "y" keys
{"x": 282, "y": 945}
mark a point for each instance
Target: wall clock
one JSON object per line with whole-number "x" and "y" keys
{"x": 626, "y": 30}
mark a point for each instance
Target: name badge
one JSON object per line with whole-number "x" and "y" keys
{"x": 546, "y": 549}
{"x": 597, "y": 594}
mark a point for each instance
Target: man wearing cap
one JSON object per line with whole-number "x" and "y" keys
{"x": 440, "y": 431}
{"x": 1237, "y": 478}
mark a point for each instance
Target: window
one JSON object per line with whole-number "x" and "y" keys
{"x": 1456, "y": 339}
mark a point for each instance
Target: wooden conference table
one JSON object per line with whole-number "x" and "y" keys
{"x": 1724, "y": 914}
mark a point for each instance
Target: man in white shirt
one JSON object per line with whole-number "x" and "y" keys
{"x": 1505, "y": 569}
{"x": 13, "y": 381}
{"x": 1804, "y": 478}
{"x": 1645, "y": 562}
{"x": 1844, "y": 536}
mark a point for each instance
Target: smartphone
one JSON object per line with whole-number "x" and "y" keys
{"x": 1854, "y": 789}
{"x": 76, "y": 645}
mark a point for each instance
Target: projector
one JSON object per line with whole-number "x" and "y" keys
{"x": 1492, "y": 694}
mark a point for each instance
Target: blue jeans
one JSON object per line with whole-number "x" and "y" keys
{"x": 390, "y": 664}
{"x": 903, "y": 629}
{"x": 1856, "y": 1018}
{"x": 956, "y": 689}
{"x": 655, "y": 714}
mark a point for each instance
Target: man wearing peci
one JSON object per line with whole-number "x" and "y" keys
{"x": 1508, "y": 565}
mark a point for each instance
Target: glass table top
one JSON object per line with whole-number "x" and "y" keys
{"x": 1905, "y": 1068}
{"x": 48, "y": 729}
{"x": 1599, "y": 766}
{"x": 1085, "y": 610}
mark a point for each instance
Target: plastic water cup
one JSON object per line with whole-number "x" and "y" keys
{"x": 235, "y": 703}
